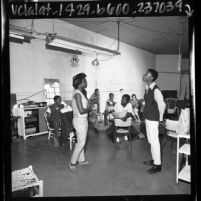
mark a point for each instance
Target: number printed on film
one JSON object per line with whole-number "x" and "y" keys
{"x": 100, "y": 9}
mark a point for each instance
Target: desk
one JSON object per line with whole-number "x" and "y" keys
{"x": 32, "y": 122}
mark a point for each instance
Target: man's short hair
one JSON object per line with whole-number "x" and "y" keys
{"x": 77, "y": 79}
{"x": 154, "y": 73}
{"x": 126, "y": 96}
{"x": 111, "y": 94}
{"x": 56, "y": 97}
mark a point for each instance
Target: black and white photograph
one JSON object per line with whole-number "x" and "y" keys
{"x": 101, "y": 106}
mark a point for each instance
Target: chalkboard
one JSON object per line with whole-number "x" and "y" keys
{"x": 94, "y": 9}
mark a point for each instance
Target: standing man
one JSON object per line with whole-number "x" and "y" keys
{"x": 81, "y": 107}
{"x": 153, "y": 115}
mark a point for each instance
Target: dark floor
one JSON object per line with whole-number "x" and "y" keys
{"x": 112, "y": 172}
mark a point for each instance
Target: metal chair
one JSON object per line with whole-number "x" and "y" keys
{"x": 50, "y": 130}
{"x": 170, "y": 132}
{"x": 122, "y": 128}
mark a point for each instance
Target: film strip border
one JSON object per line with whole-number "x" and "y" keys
{"x": 94, "y": 9}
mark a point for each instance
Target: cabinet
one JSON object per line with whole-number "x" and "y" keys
{"x": 32, "y": 122}
{"x": 185, "y": 172}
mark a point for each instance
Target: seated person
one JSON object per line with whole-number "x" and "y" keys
{"x": 54, "y": 117}
{"x": 109, "y": 107}
{"x": 123, "y": 110}
{"x": 135, "y": 105}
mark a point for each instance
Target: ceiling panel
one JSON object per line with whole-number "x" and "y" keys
{"x": 159, "y": 35}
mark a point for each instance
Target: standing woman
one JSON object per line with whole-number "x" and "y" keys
{"x": 95, "y": 99}
{"x": 81, "y": 107}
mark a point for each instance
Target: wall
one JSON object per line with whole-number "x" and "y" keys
{"x": 31, "y": 63}
{"x": 169, "y": 76}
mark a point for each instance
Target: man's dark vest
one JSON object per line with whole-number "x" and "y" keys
{"x": 55, "y": 114}
{"x": 151, "y": 111}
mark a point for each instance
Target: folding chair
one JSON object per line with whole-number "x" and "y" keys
{"x": 170, "y": 132}
{"x": 122, "y": 128}
{"x": 50, "y": 130}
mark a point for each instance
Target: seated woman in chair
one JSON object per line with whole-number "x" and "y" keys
{"x": 109, "y": 107}
{"x": 95, "y": 99}
{"x": 123, "y": 110}
{"x": 135, "y": 105}
{"x": 54, "y": 117}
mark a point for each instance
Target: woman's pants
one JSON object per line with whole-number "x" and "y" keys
{"x": 153, "y": 139}
{"x": 81, "y": 128}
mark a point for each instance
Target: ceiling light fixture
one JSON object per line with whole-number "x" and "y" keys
{"x": 95, "y": 62}
{"x": 74, "y": 60}
{"x": 15, "y": 35}
{"x": 59, "y": 41}
{"x": 19, "y": 37}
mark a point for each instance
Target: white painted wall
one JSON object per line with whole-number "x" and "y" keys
{"x": 169, "y": 76}
{"x": 31, "y": 63}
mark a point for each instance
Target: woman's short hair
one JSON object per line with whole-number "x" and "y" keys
{"x": 77, "y": 79}
{"x": 133, "y": 95}
{"x": 111, "y": 94}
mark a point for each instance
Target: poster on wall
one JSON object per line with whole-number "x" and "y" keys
{"x": 114, "y": 43}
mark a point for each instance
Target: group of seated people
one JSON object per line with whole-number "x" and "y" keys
{"x": 127, "y": 108}
{"x": 132, "y": 103}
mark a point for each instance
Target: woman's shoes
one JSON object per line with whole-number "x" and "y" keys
{"x": 72, "y": 167}
{"x": 82, "y": 163}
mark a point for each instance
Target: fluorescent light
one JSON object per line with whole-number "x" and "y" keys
{"x": 14, "y": 35}
{"x": 78, "y": 45}
{"x": 62, "y": 49}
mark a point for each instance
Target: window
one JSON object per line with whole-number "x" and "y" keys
{"x": 52, "y": 89}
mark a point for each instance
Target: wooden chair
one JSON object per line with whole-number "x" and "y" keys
{"x": 122, "y": 128}
{"x": 50, "y": 130}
